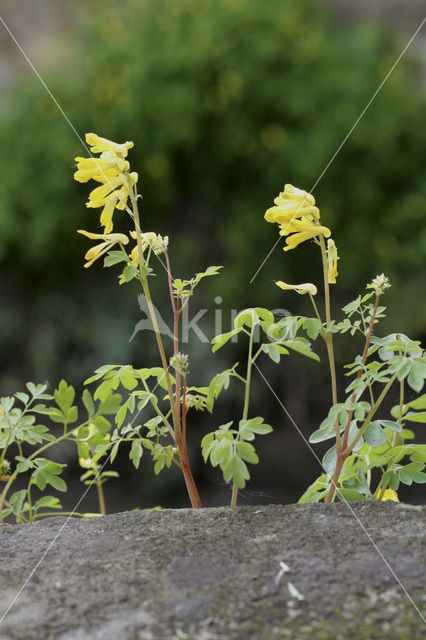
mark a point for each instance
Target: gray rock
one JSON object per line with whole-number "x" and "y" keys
{"x": 215, "y": 574}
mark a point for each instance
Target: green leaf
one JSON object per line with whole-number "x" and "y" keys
{"x": 121, "y": 415}
{"x": 23, "y": 397}
{"x": 393, "y": 426}
{"x": 47, "y": 502}
{"x": 412, "y": 416}
{"x": 273, "y": 351}
{"x": 349, "y": 495}
{"x": 128, "y": 380}
{"x": 247, "y": 452}
{"x": 253, "y": 425}
{"x": 417, "y": 375}
{"x": 312, "y": 327}
{"x": 221, "y": 452}
{"x": 246, "y": 318}
{"x": 374, "y": 434}
{"x": 129, "y": 272}
{"x": 418, "y": 403}
{"x": 136, "y": 452}
{"x": 88, "y": 402}
{"x": 17, "y": 501}
{"x": 99, "y": 373}
{"x": 220, "y": 340}
{"x": 236, "y": 471}
{"x": 114, "y": 257}
{"x": 64, "y": 396}
{"x": 301, "y": 346}
{"x": 329, "y": 460}
{"x": 265, "y": 315}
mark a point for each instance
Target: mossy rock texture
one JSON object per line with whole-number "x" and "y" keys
{"x": 215, "y": 574}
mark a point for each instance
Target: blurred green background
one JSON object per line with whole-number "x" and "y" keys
{"x": 225, "y": 100}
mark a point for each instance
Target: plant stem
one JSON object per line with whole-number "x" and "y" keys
{"x": 344, "y": 453}
{"x": 246, "y": 397}
{"x": 101, "y": 496}
{"x": 394, "y": 437}
{"x": 315, "y": 307}
{"x": 174, "y": 400}
{"x": 328, "y": 336}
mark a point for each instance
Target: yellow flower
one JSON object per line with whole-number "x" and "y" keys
{"x": 292, "y": 203}
{"x": 112, "y": 171}
{"x": 332, "y": 259}
{"x": 100, "y": 145}
{"x": 110, "y": 198}
{"x": 149, "y": 239}
{"x": 99, "y": 169}
{"x": 296, "y": 213}
{"x": 108, "y": 241}
{"x": 389, "y": 494}
{"x": 306, "y": 287}
{"x": 302, "y": 230}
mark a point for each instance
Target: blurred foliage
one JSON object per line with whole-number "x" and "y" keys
{"x": 225, "y": 100}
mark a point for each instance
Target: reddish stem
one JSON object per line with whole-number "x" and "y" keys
{"x": 181, "y": 436}
{"x": 342, "y": 452}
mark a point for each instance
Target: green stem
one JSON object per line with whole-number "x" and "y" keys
{"x": 315, "y": 306}
{"x": 177, "y": 431}
{"x": 394, "y": 438}
{"x": 101, "y": 496}
{"x": 246, "y": 398}
{"x": 328, "y": 335}
{"x": 30, "y": 506}
{"x": 53, "y": 514}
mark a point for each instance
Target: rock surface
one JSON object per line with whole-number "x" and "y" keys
{"x": 215, "y": 574}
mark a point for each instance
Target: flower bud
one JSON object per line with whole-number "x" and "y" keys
{"x": 379, "y": 284}
{"x": 179, "y": 362}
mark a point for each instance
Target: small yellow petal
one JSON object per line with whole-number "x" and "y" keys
{"x": 99, "y": 145}
{"x": 109, "y": 237}
{"x": 332, "y": 259}
{"x": 389, "y": 494}
{"x": 305, "y": 287}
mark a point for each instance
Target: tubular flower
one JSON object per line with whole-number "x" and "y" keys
{"x": 332, "y": 259}
{"x": 389, "y": 494}
{"x": 110, "y": 197}
{"x": 101, "y": 145}
{"x": 108, "y": 241}
{"x": 112, "y": 171}
{"x": 296, "y": 213}
{"x": 157, "y": 243}
{"x": 306, "y": 287}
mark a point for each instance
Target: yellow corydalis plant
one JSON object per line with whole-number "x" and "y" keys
{"x": 298, "y": 217}
{"x": 112, "y": 171}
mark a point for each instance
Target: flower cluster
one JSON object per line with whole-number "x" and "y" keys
{"x": 117, "y": 185}
{"x": 156, "y": 243}
{"x": 299, "y": 220}
{"x": 297, "y": 215}
{"x": 379, "y": 284}
{"x": 112, "y": 171}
